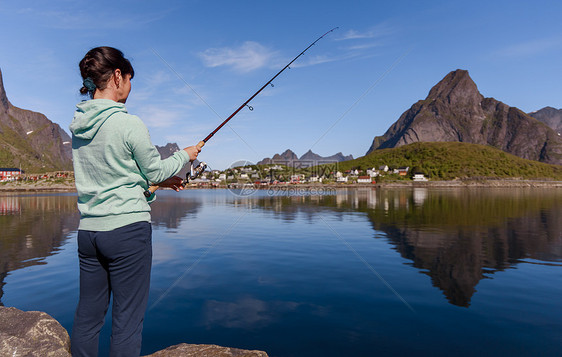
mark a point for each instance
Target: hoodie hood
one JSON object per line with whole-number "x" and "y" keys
{"x": 91, "y": 114}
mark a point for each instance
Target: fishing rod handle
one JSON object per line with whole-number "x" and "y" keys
{"x": 150, "y": 191}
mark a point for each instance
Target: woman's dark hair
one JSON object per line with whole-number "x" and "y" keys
{"x": 98, "y": 65}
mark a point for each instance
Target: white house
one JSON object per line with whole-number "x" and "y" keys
{"x": 342, "y": 179}
{"x": 402, "y": 171}
{"x": 419, "y": 177}
{"x": 297, "y": 178}
{"x": 372, "y": 172}
{"x": 383, "y": 168}
{"x": 364, "y": 179}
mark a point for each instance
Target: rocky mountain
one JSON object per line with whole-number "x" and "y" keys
{"x": 310, "y": 156}
{"x": 168, "y": 150}
{"x": 455, "y": 110}
{"x": 289, "y": 158}
{"x": 31, "y": 141}
{"x": 551, "y": 117}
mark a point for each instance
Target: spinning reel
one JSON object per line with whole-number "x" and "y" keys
{"x": 195, "y": 172}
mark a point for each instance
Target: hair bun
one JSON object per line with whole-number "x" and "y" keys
{"x": 97, "y": 67}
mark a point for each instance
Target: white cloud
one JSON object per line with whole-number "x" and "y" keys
{"x": 314, "y": 60}
{"x": 245, "y": 58}
{"x": 158, "y": 117}
{"x": 531, "y": 48}
{"x": 361, "y": 43}
{"x": 157, "y": 78}
{"x": 189, "y": 134}
{"x": 70, "y": 15}
{"x": 363, "y": 46}
{"x": 353, "y": 35}
{"x": 378, "y": 31}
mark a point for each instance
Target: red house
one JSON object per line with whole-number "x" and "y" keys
{"x": 8, "y": 174}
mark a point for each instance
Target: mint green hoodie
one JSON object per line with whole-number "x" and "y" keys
{"x": 114, "y": 163}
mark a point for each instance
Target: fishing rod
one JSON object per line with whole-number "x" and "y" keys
{"x": 204, "y": 141}
{"x": 195, "y": 172}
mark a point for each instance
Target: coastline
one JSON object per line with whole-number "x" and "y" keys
{"x": 495, "y": 183}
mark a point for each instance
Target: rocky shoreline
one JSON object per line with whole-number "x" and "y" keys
{"x": 35, "y": 333}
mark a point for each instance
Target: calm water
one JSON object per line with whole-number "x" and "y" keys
{"x": 354, "y": 273}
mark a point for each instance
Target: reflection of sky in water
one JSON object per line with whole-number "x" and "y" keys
{"x": 307, "y": 275}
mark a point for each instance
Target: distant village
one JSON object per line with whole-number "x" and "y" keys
{"x": 281, "y": 174}
{"x": 254, "y": 175}
{"x": 10, "y": 174}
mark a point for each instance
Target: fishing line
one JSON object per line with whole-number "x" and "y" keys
{"x": 369, "y": 266}
{"x": 201, "y": 98}
{"x": 202, "y": 143}
{"x": 247, "y": 102}
{"x": 194, "y": 264}
{"x": 394, "y": 64}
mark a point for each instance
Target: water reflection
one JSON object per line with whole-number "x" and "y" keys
{"x": 457, "y": 236}
{"x": 33, "y": 228}
{"x": 170, "y": 208}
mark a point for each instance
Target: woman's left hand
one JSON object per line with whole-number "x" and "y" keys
{"x": 174, "y": 182}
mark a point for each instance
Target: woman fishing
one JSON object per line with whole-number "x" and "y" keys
{"x": 114, "y": 164}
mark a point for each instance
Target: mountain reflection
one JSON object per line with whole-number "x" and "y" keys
{"x": 33, "y": 227}
{"x": 170, "y": 208}
{"x": 456, "y": 236}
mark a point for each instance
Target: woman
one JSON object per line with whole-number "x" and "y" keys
{"x": 114, "y": 164}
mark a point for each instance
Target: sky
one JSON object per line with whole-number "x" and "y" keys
{"x": 197, "y": 61}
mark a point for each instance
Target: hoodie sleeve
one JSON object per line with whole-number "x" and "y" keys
{"x": 147, "y": 156}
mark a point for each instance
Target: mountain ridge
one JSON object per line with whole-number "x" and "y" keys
{"x": 549, "y": 116}
{"x": 30, "y": 140}
{"x": 289, "y": 158}
{"x": 455, "y": 111}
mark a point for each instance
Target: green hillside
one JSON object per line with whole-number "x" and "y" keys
{"x": 17, "y": 152}
{"x": 450, "y": 160}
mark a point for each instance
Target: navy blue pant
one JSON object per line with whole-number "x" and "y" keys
{"x": 116, "y": 262}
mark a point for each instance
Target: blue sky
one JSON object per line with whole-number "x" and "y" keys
{"x": 347, "y": 89}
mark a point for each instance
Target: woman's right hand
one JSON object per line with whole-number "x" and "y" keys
{"x": 193, "y": 151}
{"x": 174, "y": 182}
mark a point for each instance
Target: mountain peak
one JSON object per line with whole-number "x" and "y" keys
{"x": 4, "y": 103}
{"x": 454, "y": 110}
{"x": 288, "y": 155}
{"x": 30, "y": 140}
{"x": 549, "y": 116}
{"x": 456, "y": 88}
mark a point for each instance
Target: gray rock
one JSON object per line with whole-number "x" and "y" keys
{"x": 31, "y": 333}
{"x": 455, "y": 111}
{"x": 187, "y": 350}
{"x": 36, "y": 334}
{"x": 550, "y": 116}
